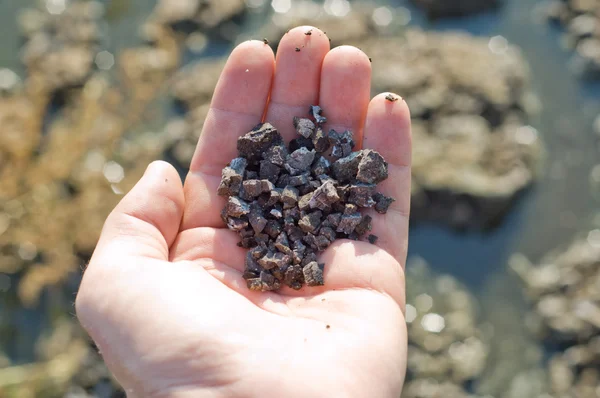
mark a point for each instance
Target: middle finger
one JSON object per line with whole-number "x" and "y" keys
{"x": 297, "y": 77}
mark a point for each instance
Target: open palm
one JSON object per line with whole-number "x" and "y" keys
{"x": 164, "y": 297}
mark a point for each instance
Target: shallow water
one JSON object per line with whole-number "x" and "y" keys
{"x": 561, "y": 204}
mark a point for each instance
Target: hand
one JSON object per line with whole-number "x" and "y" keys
{"x": 164, "y": 297}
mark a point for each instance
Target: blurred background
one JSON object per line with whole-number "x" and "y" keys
{"x": 503, "y": 275}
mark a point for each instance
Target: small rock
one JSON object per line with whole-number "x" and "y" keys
{"x": 320, "y": 141}
{"x": 301, "y": 179}
{"x": 294, "y": 277}
{"x": 303, "y": 203}
{"x": 362, "y": 195}
{"x": 276, "y": 213}
{"x": 316, "y": 112}
{"x": 309, "y": 257}
{"x": 289, "y": 196}
{"x": 277, "y": 155}
{"x": 345, "y": 169}
{"x": 311, "y": 222}
{"x": 301, "y": 142}
{"x": 313, "y": 274}
{"x": 298, "y": 251}
{"x": 273, "y": 229}
{"x": 304, "y": 127}
{"x": 274, "y": 259}
{"x": 275, "y": 196}
{"x": 282, "y": 244}
{"x": 350, "y": 208}
{"x": 236, "y": 224}
{"x": 320, "y": 166}
{"x": 269, "y": 171}
{"x": 257, "y": 252}
{"x": 252, "y": 188}
{"x": 365, "y": 225}
{"x": 333, "y": 220}
{"x": 300, "y": 160}
{"x": 324, "y": 196}
{"x": 236, "y": 207}
{"x": 257, "y": 221}
{"x": 328, "y": 233}
{"x": 256, "y": 142}
{"x": 266, "y": 282}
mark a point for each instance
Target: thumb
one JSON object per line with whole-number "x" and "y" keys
{"x": 146, "y": 221}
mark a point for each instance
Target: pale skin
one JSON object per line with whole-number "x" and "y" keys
{"x": 164, "y": 298}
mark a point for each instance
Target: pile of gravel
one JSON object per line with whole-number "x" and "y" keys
{"x": 474, "y": 150}
{"x": 288, "y": 203}
{"x": 62, "y": 48}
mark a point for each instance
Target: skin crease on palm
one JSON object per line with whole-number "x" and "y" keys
{"x": 163, "y": 296}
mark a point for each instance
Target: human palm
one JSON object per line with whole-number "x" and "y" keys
{"x": 164, "y": 297}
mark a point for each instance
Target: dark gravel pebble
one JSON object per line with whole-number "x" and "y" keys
{"x": 305, "y": 127}
{"x": 252, "y": 145}
{"x": 372, "y": 168}
{"x": 382, "y": 202}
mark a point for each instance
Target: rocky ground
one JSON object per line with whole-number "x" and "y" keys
{"x": 474, "y": 151}
{"x": 219, "y": 19}
{"x": 580, "y": 20}
{"x": 447, "y": 349}
{"x": 564, "y": 290}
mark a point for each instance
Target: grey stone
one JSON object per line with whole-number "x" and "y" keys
{"x": 304, "y": 127}
{"x": 345, "y": 169}
{"x": 300, "y": 160}
{"x": 313, "y": 274}
{"x": 372, "y": 168}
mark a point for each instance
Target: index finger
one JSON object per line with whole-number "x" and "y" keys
{"x": 238, "y": 104}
